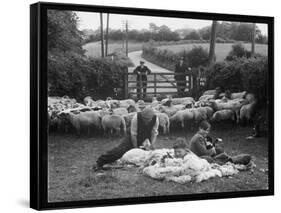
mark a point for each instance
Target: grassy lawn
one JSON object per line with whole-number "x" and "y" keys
{"x": 221, "y": 50}
{"x": 71, "y": 159}
{"x": 94, "y": 48}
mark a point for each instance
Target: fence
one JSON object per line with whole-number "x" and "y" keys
{"x": 162, "y": 83}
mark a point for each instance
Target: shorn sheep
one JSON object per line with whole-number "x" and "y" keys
{"x": 113, "y": 123}
{"x": 164, "y": 122}
{"x": 88, "y": 120}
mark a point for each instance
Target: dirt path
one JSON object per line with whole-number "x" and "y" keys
{"x": 136, "y": 58}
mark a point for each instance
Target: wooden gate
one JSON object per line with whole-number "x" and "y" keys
{"x": 159, "y": 84}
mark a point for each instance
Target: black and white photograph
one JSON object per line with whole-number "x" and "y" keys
{"x": 151, "y": 105}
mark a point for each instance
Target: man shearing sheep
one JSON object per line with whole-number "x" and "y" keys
{"x": 144, "y": 126}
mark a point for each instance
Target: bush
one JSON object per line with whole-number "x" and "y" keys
{"x": 197, "y": 56}
{"x": 165, "y": 58}
{"x": 241, "y": 74}
{"x": 238, "y": 51}
{"x": 77, "y": 76}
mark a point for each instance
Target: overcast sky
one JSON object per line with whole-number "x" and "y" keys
{"x": 90, "y": 20}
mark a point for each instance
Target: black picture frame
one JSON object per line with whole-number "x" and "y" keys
{"x": 38, "y": 105}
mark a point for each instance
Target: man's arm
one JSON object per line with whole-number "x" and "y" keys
{"x": 148, "y": 70}
{"x": 134, "y": 131}
{"x": 154, "y": 132}
{"x": 136, "y": 70}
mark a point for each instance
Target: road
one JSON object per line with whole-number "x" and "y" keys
{"x": 136, "y": 58}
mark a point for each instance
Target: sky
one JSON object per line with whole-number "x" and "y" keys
{"x": 90, "y": 20}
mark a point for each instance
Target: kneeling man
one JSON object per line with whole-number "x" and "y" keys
{"x": 144, "y": 126}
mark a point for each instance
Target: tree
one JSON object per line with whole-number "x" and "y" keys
{"x": 194, "y": 35}
{"x": 253, "y": 40}
{"x": 64, "y": 35}
{"x": 243, "y": 32}
{"x": 153, "y": 28}
{"x": 107, "y": 29}
{"x": 101, "y": 37}
{"x": 212, "y": 43}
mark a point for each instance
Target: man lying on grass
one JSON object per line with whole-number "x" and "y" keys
{"x": 202, "y": 145}
{"x": 144, "y": 126}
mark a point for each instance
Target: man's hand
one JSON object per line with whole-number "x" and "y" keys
{"x": 146, "y": 145}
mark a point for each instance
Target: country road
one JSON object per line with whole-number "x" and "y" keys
{"x": 136, "y": 58}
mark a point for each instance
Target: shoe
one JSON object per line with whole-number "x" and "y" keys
{"x": 97, "y": 168}
{"x": 243, "y": 159}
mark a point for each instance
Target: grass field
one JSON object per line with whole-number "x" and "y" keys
{"x": 221, "y": 50}
{"x": 94, "y": 48}
{"x": 71, "y": 179}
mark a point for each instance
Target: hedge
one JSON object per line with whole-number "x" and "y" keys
{"x": 78, "y": 76}
{"x": 240, "y": 74}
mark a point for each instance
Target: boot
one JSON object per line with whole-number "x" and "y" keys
{"x": 241, "y": 159}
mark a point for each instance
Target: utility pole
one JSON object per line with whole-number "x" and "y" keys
{"x": 101, "y": 34}
{"x": 126, "y": 38}
{"x": 253, "y": 40}
{"x": 106, "y": 41}
{"x": 212, "y": 43}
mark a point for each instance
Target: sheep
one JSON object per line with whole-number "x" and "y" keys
{"x": 155, "y": 103}
{"x": 128, "y": 119}
{"x": 164, "y": 122}
{"x": 170, "y": 111}
{"x": 120, "y": 111}
{"x": 101, "y": 103}
{"x": 111, "y": 103}
{"x": 251, "y": 98}
{"x": 182, "y": 116}
{"x": 199, "y": 114}
{"x": 207, "y": 111}
{"x": 87, "y": 119}
{"x": 113, "y": 123}
{"x": 175, "y": 101}
{"x": 223, "y": 115}
{"x": 206, "y": 97}
{"x": 247, "y": 111}
{"x": 209, "y": 92}
{"x": 133, "y": 108}
{"x": 126, "y": 103}
{"x": 234, "y": 105}
{"x": 238, "y": 95}
{"x": 88, "y": 101}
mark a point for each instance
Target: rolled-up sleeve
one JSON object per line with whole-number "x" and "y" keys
{"x": 134, "y": 125}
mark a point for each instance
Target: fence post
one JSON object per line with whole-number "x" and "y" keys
{"x": 155, "y": 85}
{"x": 125, "y": 76}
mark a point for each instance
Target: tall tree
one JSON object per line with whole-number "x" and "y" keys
{"x": 212, "y": 43}
{"x": 106, "y": 41}
{"x": 253, "y": 40}
{"x": 63, "y": 34}
{"x": 101, "y": 33}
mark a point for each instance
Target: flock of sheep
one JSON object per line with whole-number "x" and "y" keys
{"x": 114, "y": 116}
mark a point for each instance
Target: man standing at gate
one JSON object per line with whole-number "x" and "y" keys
{"x": 142, "y": 71}
{"x": 182, "y": 69}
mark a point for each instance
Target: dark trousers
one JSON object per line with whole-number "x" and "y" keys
{"x": 141, "y": 84}
{"x": 116, "y": 152}
{"x": 221, "y": 158}
{"x": 181, "y": 87}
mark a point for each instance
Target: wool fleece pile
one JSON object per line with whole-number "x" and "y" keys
{"x": 160, "y": 164}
